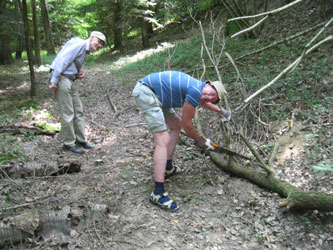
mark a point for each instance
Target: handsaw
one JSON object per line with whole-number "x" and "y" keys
{"x": 221, "y": 150}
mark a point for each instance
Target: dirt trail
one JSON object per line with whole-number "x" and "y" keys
{"x": 109, "y": 197}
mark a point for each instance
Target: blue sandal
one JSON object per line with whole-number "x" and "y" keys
{"x": 168, "y": 204}
{"x": 174, "y": 171}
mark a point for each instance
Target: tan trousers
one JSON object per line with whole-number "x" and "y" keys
{"x": 71, "y": 111}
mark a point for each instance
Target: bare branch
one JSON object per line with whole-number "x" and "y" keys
{"x": 290, "y": 68}
{"x": 249, "y": 28}
{"x": 256, "y": 155}
{"x": 272, "y": 12}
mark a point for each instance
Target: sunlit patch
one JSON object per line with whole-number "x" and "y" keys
{"x": 291, "y": 146}
{"x": 141, "y": 55}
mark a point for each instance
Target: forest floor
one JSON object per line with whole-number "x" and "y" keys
{"x": 105, "y": 205}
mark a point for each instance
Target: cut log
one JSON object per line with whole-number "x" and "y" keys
{"x": 31, "y": 169}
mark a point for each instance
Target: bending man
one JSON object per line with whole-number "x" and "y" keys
{"x": 156, "y": 95}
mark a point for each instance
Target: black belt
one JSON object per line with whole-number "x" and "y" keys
{"x": 147, "y": 85}
{"x": 68, "y": 76}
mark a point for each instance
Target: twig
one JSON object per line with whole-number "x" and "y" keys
{"x": 256, "y": 155}
{"x": 127, "y": 242}
{"x": 98, "y": 236}
{"x": 273, "y": 154}
{"x": 134, "y": 125}
{"x": 238, "y": 73}
{"x": 25, "y": 204}
{"x": 113, "y": 106}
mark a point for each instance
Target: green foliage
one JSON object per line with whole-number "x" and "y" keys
{"x": 323, "y": 166}
{"x": 306, "y": 220}
{"x": 30, "y": 136}
{"x": 49, "y": 127}
{"x": 7, "y": 153}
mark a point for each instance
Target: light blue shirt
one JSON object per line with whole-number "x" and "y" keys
{"x": 173, "y": 88}
{"x": 69, "y": 60}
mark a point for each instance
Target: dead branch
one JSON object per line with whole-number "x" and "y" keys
{"x": 215, "y": 64}
{"x": 112, "y": 105}
{"x": 287, "y": 70}
{"x": 249, "y": 28}
{"x": 256, "y": 155}
{"x": 242, "y": 88}
{"x": 273, "y": 154}
{"x": 272, "y": 12}
{"x": 287, "y": 39}
{"x": 284, "y": 40}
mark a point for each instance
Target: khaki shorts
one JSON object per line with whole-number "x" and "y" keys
{"x": 151, "y": 108}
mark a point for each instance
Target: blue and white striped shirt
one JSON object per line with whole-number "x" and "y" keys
{"x": 70, "y": 58}
{"x": 174, "y": 88}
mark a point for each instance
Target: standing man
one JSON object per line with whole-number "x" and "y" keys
{"x": 65, "y": 70}
{"x": 156, "y": 95}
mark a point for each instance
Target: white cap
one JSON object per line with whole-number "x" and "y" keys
{"x": 219, "y": 89}
{"x": 99, "y": 35}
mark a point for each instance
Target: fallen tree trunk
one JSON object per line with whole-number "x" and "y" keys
{"x": 32, "y": 169}
{"x": 12, "y": 129}
{"x": 295, "y": 198}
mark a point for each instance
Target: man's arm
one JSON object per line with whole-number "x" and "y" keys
{"x": 211, "y": 106}
{"x": 188, "y": 115}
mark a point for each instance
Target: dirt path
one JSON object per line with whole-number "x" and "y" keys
{"x": 108, "y": 199}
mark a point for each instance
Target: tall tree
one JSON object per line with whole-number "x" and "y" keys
{"x": 117, "y": 25}
{"x": 5, "y": 50}
{"x": 20, "y": 31}
{"x": 36, "y": 33}
{"x": 47, "y": 29}
{"x": 28, "y": 47}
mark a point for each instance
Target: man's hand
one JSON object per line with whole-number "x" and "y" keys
{"x": 80, "y": 75}
{"x": 204, "y": 144}
{"x": 53, "y": 87}
{"x": 225, "y": 114}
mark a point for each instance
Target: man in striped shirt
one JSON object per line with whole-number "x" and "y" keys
{"x": 156, "y": 95}
{"x": 65, "y": 70}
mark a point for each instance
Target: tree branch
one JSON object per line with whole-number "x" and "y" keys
{"x": 287, "y": 70}
{"x": 272, "y": 12}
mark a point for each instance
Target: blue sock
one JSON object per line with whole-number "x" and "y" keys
{"x": 169, "y": 165}
{"x": 159, "y": 189}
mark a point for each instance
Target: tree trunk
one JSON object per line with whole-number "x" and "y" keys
{"x": 28, "y": 48}
{"x": 36, "y": 33}
{"x": 47, "y": 30}
{"x": 19, "y": 40}
{"x": 5, "y": 52}
{"x": 117, "y": 30}
{"x": 146, "y": 33}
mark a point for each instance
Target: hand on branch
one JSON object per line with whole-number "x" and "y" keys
{"x": 225, "y": 114}
{"x": 204, "y": 144}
